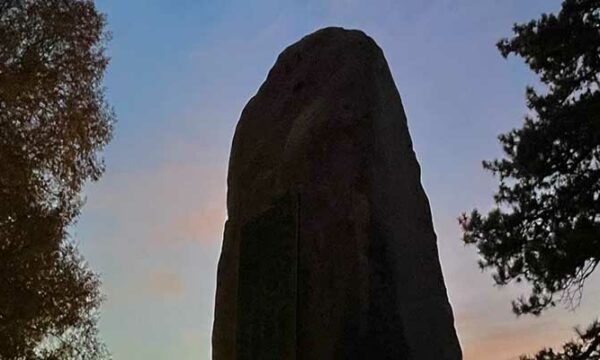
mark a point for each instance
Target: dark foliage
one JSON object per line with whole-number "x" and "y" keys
{"x": 54, "y": 122}
{"x": 586, "y": 347}
{"x": 546, "y": 229}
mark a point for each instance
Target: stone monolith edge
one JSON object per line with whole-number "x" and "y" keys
{"x": 329, "y": 250}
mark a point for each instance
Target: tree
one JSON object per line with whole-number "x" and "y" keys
{"x": 54, "y": 122}
{"x": 545, "y": 229}
{"x": 585, "y": 348}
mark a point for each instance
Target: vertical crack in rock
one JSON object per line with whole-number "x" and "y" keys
{"x": 329, "y": 250}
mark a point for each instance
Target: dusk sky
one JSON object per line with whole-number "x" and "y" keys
{"x": 180, "y": 74}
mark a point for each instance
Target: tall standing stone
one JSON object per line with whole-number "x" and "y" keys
{"x": 329, "y": 250}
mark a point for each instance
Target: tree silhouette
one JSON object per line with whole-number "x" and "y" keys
{"x": 545, "y": 229}
{"x": 586, "y": 347}
{"x": 54, "y": 122}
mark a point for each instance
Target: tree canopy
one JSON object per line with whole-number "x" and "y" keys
{"x": 586, "y": 347}
{"x": 545, "y": 229}
{"x": 54, "y": 122}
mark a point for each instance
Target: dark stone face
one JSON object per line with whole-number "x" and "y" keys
{"x": 329, "y": 250}
{"x": 267, "y": 284}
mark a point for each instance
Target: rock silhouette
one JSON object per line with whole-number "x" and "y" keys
{"x": 329, "y": 250}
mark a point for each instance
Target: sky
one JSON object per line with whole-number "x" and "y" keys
{"x": 180, "y": 74}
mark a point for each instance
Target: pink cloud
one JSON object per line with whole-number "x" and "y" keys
{"x": 175, "y": 204}
{"x": 203, "y": 226}
{"x": 497, "y": 335}
{"x": 164, "y": 283}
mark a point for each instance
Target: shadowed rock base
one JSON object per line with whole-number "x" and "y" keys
{"x": 329, "y": 250}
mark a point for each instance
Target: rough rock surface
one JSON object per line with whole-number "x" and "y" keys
{"x": 329, "y": 250}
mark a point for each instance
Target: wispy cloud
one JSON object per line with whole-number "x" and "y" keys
{"x": 497, "y": 342}
{"x": 164, "y": 283}
{"x": 171, "y": 204}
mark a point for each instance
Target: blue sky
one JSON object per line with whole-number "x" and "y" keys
{"x": 180, "y": 74}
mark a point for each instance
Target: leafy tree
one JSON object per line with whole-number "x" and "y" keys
{"x": 54, "y": 121}
{"x": 587, "y": 347}
{"x": 545, "y": 229}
